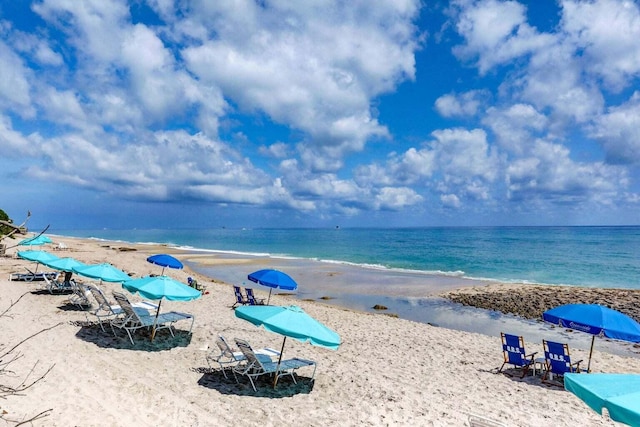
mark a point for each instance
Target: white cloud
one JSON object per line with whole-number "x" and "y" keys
{"x": 14, "y": 84}
{"x": 461, "y": 105}
{"x": 619, "y": 131}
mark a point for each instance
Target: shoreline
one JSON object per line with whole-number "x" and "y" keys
{"x": 387, "y": 371}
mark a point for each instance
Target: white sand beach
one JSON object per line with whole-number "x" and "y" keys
{"x": 388, "y": 371}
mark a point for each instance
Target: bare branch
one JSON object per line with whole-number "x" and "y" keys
{"x": 3, "y": 314}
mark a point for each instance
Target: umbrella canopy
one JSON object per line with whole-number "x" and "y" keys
{"x": 596, "y": 320}
{"x": 165, "y": 260}
{"x": 159, "y": 287}
{"x": 37, "y": 256}
{"x": 291, "y": 321}
{"x": 35, "y": 241}
{"x": 104, "y": 272}
{"x": 273, "y": 279}
{"x": 64, "y": 264}
{"x": 619, "y": 393}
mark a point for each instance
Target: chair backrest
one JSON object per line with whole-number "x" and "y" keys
{"x": 249, "y": 354}
{"x": 126, "y": 306}
{"x": 250, "y": 297}
{"x": 238, "y": 293}
{"x": 101, "y": 299}
{"x": 513, "y": 349}
{"x": 224, "y": 347}
{"x": 557, "y": 356}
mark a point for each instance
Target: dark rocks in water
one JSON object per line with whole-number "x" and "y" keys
{"x": 326, "y": 298}
{"x": 379, "y": 307}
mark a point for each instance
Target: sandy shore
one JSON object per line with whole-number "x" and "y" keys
{"x": 388, "y": 371}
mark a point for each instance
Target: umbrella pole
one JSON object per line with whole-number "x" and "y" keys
{"x": 275, "y": 380}
{"x": 593, "y": 337}
{"x": 269, "y": 299}
{"x": 155, "y": 321}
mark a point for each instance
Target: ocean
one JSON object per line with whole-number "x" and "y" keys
{"x": 583, "y": 256}
{"x": 404, "y": 269}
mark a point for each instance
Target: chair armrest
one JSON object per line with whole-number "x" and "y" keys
{"x": 531, "y": 355}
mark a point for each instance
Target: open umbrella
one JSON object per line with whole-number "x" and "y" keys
{"x": 273, "y": 279}
{"x": 39, "y": 257}
{"x": 619, "y": 393}
{"x": 594, "y": 319}
{"x": 104, "y": 272}
{"x": 165, "y": 260}
{"x": 35, "y": 241}
{"x": 64, "y": 264}
{"x": 159, "y": 287}
{"x": 291, "y": 321}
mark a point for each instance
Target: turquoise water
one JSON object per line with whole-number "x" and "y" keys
{"x": 584, "y": 256}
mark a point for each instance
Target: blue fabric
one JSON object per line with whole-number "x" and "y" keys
{"x": 158, "y": 287}
{"x": 515, "y": 351}
{"x": 273, "y": 279}
{"x": 35, "y": 241}
{"x": 559, "y": 360}
{"x": 290, "y": 321}
{"x": 37, "y": 256}
{"x": 165, "y": 260}
{"x": 595, "y": 319}
{"x": 619, "y": 393}
{"x": 105, "y": 272}
{"x": 64, "y": 264}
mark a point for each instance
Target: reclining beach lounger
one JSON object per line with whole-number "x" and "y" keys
{"x": 254, "y": 367}
{"x": 134, "y": 319}
{"x": 227, "y": 358}
{"x": 107, "y": 311}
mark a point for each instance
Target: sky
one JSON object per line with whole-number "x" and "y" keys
{"x": 391, "y": 113}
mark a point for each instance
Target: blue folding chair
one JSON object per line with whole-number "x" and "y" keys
{"x": 515, "y": 354}
{"x": 252, "y": 298}
{"x": 558, "y": 360}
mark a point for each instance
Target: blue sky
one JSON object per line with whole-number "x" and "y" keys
{"x": 163, "y": 114}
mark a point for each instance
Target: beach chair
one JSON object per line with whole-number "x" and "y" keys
{"x": 31, "y": 276}
{"x": 254, "y": 366}
{"x": 80, "y": 296}
{"x": 108, "y": 311}
{"x": 252, "y": 299}
{"x": 557, "y": 361}
{"x": 240, "y": 299}
{"x": 515, "y": 354}
{"x": 480, "y": 421}
{"x": 227, "y": 358}
{"x": 54, "y": 286}
{"x": 134, "y": 318}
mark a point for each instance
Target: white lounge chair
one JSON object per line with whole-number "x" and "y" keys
{"x": 479, "y": 421}
{"x": 134, "y": 318}
{"x": 107, "y": 311}
{"x": 227, "y": 358}
{"x": 53, "y": 286}
{"x": 80, "y": 296}
{"x": 254, "y": 367}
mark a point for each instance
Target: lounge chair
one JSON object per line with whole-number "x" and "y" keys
{"x": 134, "y": 318}
{"x": 106, "y": 310}
{"x": 557, "y": 361}
{"x": 254, "y": 367}
{"x": 240, "y": 299}
{"x": 54, "y": 286}
{"x": 480, "y": 421}
{"x": 31, "y": 276}
{"x": 515, "y": 354}
{"x": 227, "y": 358}
{"x": 80, "y": 296}
{"x": 252, "y": 299}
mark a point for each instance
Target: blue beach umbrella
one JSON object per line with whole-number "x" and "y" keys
{"x": 104, "y": 272}
{"x": 619, "y": 393}
{"x": 35, "y": 241}
{"x": 594, "y": 319}
{"x": 165, "y": 260}
{"x": 160, "y": 287}
{"x": 291, "y": 321}
{"x": 39, "y": 257}
{"x": 273, "y": 279}
{"x": 64, "y": 264}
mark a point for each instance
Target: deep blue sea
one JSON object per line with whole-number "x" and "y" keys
{"x": 584, "y": 256}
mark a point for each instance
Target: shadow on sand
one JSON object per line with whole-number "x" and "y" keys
{"x": 91, "y": 332}
{"x": 214, "y": 379}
